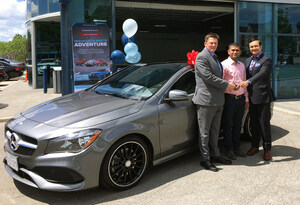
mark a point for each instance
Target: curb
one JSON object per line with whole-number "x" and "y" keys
{"x": 5, "y": 119}
{"x": 286, "y": 111}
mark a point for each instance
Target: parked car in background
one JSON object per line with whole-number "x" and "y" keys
{"x": 47, "y": 62}
{"x": 13, "y": 62}
{"x": 90, "y": 63}
{"x": 99, "y": 75}
{"x": 2, "y": 75}
{"x": 101, "y": 63}
{"x": 10, "y": 71}
{"x": 80, "y": 62}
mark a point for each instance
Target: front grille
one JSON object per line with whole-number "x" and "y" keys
{"x": 22, "y": 149}
{"x": 25, "y": 151}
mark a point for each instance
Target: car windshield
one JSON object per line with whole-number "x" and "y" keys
{"x": 138, "y": 82}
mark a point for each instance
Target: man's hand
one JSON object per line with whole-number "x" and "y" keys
{"x": 236, "y": 87}
{"x": 243, "y": 84}
{"x": 231, "y": 86}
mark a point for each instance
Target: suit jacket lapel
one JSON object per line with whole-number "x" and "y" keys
{"x": 211, "y": 59}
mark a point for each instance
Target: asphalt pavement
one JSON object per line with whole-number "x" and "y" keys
{"x": 17, "y": 96}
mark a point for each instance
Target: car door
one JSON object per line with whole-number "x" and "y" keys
{"x": 177, "y": 119}
{"x": 2, "y": 72}
{"x": 3, "y": 67}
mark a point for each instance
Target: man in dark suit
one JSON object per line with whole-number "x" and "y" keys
{"x": 209, "y": 100}
{"x": 258, "y": 70}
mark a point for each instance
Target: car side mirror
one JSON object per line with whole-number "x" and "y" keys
{"x": 176, "y": 95}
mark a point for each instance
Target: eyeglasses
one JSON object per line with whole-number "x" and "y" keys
{"x": 237, "y": 50}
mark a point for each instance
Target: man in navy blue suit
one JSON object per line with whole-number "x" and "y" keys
{"x": 258, "y": 70}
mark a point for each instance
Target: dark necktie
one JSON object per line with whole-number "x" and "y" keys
{"x": 217, "y": 60}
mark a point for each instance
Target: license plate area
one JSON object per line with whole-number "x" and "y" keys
{"x": 12, "y": 161}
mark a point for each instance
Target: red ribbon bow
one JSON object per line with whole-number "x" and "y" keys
{"x": 191, "y": 56}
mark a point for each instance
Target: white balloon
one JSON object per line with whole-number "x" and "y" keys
{"x": 130, "y": 27}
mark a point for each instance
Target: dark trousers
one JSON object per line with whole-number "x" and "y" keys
{"x": 232, "y": 121}
{"x": 260, "y": 116}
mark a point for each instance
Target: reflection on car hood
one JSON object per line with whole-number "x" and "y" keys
{"x": 81, "y": 109}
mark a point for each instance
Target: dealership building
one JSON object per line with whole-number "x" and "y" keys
{"x": 168, "y": 30}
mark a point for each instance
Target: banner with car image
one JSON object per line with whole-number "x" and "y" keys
{"x": 91, "y": 54}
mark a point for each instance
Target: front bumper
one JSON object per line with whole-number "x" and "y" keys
{"x": 57, "y": 171}
{"x": 41, "y": 183}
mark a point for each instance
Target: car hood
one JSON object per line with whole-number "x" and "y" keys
{"x": 82, "y": 109}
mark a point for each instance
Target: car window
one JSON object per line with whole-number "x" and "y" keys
{"x": 137, "y": 82}
{"x": 186, "y": 83}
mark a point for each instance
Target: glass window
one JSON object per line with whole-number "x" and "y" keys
{"x": 186, "y": 83}
{"x": 96, "y": 11}
{"x": 54, "y": 6}
{"x": 255, "y": 17}
{"x": 43, "y": 7}
{"x": 287, "y": 81}
{"x": 28, "y": 10}
{"x": 288, "y": 18}
{"x": 34, "y": 8}
{"x": 288, "y": 50}
{"x": 266, "y": 41}
{"x": 287, "y": 71}
{"x": 28, "y": 37}
{"x": 47, "y": 40}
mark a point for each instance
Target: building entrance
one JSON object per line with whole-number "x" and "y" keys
{"x": 168, "y": 30}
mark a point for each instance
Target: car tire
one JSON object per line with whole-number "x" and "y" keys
{"x": 247, "y": 127}
{"x": 6, "y": 76}
{"x": 125, "y": 163}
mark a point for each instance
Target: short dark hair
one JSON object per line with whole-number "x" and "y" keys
{"x": 211, "y": 35}
{"x": 234, "y": 44}
{"x": 254, "y": 39}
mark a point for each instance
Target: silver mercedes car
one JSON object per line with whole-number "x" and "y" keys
{"x": 109, "y": 134}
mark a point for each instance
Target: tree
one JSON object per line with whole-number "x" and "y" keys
{"x": 15, "y": 49}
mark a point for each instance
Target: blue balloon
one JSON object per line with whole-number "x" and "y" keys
{"x": 117, "y": 56}
{"x": 131, "y": 49}
{"x": 133, "y": 58}
{"x": 125, "y": 39}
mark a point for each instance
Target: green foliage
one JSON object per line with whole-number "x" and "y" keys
{"x": 15, "y": 49}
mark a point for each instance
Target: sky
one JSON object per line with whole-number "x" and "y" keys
{"x": 12, "y": 19}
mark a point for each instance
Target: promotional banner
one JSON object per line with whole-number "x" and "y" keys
{"x": 91, "y": 54}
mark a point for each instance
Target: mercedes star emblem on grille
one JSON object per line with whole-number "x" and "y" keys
{"x": 14, "y": 141}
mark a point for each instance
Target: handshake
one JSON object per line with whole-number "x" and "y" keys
{"x": 242, "y": 84}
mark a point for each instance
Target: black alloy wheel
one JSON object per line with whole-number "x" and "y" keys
{"x": 125, "y": 163}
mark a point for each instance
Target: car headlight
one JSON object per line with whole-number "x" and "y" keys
{"x": 73, "y": 142}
